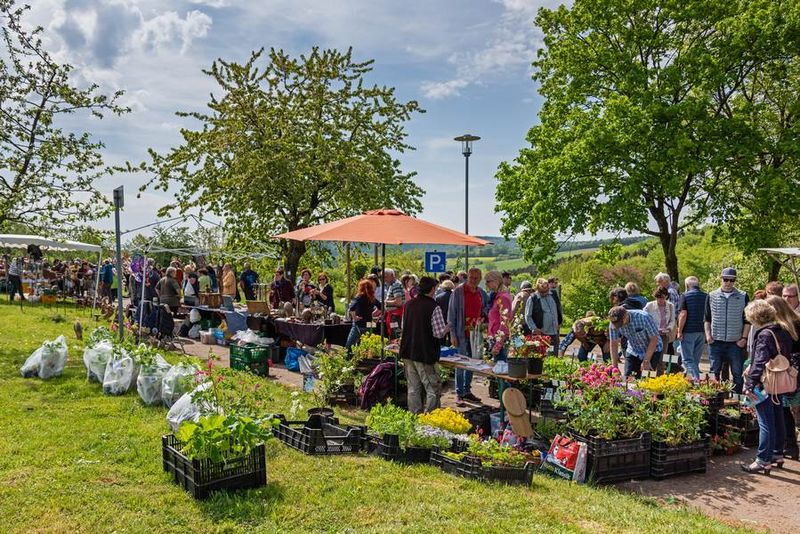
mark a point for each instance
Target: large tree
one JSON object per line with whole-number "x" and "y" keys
{"x": 634, "y": 132}
{"x": 288, "y": 143}
{"x": 47, "y": 174}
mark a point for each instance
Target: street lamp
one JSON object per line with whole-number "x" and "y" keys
{"x": 466, "y": 149}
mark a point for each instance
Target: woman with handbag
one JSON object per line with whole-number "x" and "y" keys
{"x": 767, "y": 378}
{"x": 785, "y": 314}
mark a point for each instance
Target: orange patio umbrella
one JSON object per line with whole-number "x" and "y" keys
{"x": 384, "y": 227}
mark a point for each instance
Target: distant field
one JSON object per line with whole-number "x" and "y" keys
{"x": 519, "y": 263}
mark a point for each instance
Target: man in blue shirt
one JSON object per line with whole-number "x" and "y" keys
{"x": 644, "y": 342}
{"x": 691, "y": 331}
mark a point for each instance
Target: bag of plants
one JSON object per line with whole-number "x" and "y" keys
{"x": 95, "y": 358}
{"x": 186, "y": 409}
{"x": 30, "y": 368}
{"x": 150, "y": 379}
{"x": 177, "y": 381}
{"x": 47, "y": 361}
{"x": 120, "y": 374}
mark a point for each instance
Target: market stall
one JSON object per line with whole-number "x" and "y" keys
{"x": 23, "y": 241}
{"x": 384, "y": 227}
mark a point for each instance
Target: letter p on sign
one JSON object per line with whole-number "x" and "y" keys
{"x": 435, "y": 262}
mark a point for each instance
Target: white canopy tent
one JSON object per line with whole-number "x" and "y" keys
{"x": 22, "y": 241}
{"x": 787, "y": 257}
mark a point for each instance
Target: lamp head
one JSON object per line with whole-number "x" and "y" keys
{"x": 466, "y": 143}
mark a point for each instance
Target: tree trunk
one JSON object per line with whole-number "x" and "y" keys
{"x": 774, "y": 269}
{"x": 668, "y": 244}
{"x": 294, "y": 252}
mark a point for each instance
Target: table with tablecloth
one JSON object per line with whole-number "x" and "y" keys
{"x": 313, "y": 334}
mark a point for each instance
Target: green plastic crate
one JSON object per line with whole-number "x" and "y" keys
{"x": 252, "y": 358}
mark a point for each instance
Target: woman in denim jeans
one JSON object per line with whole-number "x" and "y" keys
{"x": 771, "y": 338}
{"x": 363, "y": 307}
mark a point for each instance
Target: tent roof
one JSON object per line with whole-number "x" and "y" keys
{"x": 22, "y": 241}
{"x": 390, "y": 227}
{"x": 785, "y": 251}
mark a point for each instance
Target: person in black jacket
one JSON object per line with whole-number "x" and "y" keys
{"x": 770, "y": 340}
{"x": 423, "y": 329}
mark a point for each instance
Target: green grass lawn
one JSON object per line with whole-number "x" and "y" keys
{"x": 75, "y": 460}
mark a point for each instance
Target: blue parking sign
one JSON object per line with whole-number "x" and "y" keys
{"x": 435, "y": 262}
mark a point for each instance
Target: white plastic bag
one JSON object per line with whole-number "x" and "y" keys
{"x": 187, "y": 410}
{"x": 31, "y": 366}
{"x": 96, "y": 358}
{"x": 47, "y": 361}
{"x": 249, "y": 336}
{"x": 120, "y": 374}
{"x": 177, "y": 381}
{"x": 194, "y": 316}
{"x": 194, "y": 332}
{"x": 54, "y": 358}
{"x": 148, "y": 383}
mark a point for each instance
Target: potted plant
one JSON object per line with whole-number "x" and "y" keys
{"x": 401, "y": 437}
{"x": 726, "y": 443}
{"x": 489, "y": 460}
{"x": 218, "y": 452}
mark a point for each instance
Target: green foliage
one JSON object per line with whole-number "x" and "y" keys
{"x": 43, "y": 166}
{"x": 640, "y": 128}
{"x": 174, "y": 238}
{"x": 493, "y": 453}
{"x": 557, "y": 368}
{"x": 219, "y": 438}
{"x": 290, "y": 142}
{"x": 335, "y": 370}
{"x": 676, "y": 420}
{"x": 233, "y": 392}
{"x": 390, "y": 419}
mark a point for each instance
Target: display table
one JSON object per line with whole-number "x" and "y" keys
{"x": 313, "y": 334}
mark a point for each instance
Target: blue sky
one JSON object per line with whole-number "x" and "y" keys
{"x": 466, "y": 62}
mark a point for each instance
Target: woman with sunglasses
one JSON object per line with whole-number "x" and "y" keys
{"x": 324, "y": 292}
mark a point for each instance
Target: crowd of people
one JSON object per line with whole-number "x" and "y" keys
{"x": 740, "y": 335}
{"x": 73, "y": 278}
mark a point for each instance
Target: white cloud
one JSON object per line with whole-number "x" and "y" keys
{"x": 211, "y": 3}
{"x": 169, "y": 28}
{"x": 511, "y": 48}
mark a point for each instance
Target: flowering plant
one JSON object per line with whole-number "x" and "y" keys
{"x": 390, "y": 419}
{"x": 531, "y": 346}
{"x": 598, "y": 376}
{"x": 232, "y": 392}
{"x": 668, "y": 384}
{"x": 368, "y": 346}
{"x": 446, "y": 419}
{"x": 334, "y": 371}
{"x": 729, "y": 441}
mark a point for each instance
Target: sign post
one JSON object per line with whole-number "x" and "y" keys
{"x": 435, "y": 262}
{"x": 119, "y": 202}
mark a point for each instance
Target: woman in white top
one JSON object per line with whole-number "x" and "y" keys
{"x": 663, "y": 313}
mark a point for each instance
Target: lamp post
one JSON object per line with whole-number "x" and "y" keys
{"x": 466, "y": 149}
{"x": 119, "y": 202}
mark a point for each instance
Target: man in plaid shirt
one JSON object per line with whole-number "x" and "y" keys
{"x": 644, "y": 342}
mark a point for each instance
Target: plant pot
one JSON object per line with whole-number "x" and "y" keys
{"x": 518, "y": 367}
{"x": 535, "y": 366}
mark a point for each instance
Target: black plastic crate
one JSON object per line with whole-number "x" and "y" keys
{"x": 480, "y": 418}
{"x": 201, "y": 477}
{"x": 743, "y": 423}
{"x": 389, "y": 449}
{"x": 712, "y": 423}
{"x": 548, "y": 410}
{"x": 320, "y": 436}
{"x": 666, "y": 461}
{"x": 252, "y": 358}
{"x": 346, "y": 395}
{"x": 618, "y": 459}
{"x": 472, "y": 468}
{"x": 717, "y": 402}
{"x": 494, "y": 389}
